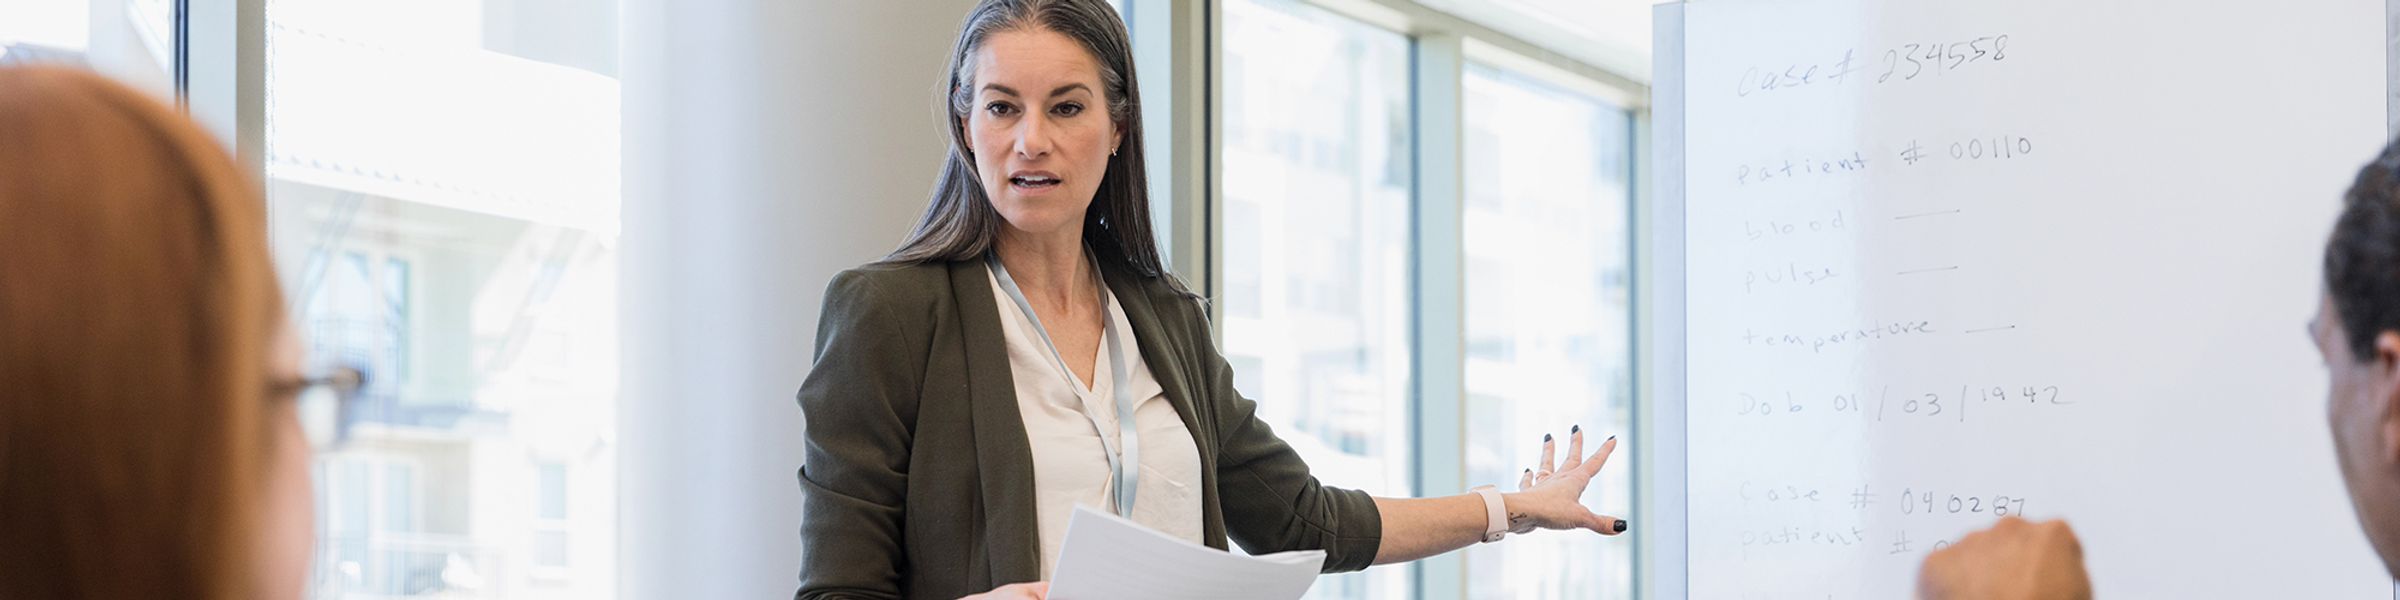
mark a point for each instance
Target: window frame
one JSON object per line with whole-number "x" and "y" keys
{"x": 221, "y": 74}
{"x": 1442, "y": 46}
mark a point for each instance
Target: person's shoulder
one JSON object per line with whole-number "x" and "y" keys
{"x": 1174, "y": 305}
{"x": 897, "y": 276}
{"x": 1173, "y": 299}
{"x": 889, "y": 285}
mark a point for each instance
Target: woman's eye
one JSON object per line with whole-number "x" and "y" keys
{"x": 999, "y": 109}
{"x": 1068, "y": 110}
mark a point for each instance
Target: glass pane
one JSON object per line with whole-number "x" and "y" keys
{"x": 353, "y": 491}
{"x": 553, "y": 492}
{"x": 396, "y": 313}
{"x": 129, "y": 40}
{"x": 399, "y": 499}
{"x": 443, "y": 194}
{"x": 1317, "y": 246}
{"x": 60, "y": 25}
{"x": 1548, "y": 316}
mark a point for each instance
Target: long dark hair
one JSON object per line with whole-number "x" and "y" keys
{"x": 960, "y": 222}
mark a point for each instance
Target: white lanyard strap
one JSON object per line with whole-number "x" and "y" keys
{"x": 1124, "y": 457}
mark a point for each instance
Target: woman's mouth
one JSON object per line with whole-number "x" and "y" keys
{"x": 1033, "y": 181}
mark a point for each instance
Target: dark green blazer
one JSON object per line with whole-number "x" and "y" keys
{"x": 918, "y": 479}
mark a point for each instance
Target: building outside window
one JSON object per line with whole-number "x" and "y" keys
{"x": 1316, "y": 299}
{"x": 1548, "y": 315}
{"x": 442, "y": 181}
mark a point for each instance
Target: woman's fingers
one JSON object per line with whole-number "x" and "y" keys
{"x": 1526, "y": 482}
{"x": 1542, "y": 470}
{"x": 1591, "y": 468}
{"x": 1574, "y": 450}
{"x": 1604, "y": 524}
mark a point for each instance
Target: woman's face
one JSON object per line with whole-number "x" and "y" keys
{"x": 289, "y": 517}
{"x": 1039, "y": 128}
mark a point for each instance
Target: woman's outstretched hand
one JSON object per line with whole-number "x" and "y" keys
{"x": 1550, "y": 495}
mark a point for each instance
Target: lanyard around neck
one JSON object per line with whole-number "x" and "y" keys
{"x": 1124, "y": 457}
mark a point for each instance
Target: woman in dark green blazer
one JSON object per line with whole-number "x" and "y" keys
{"x": 919, "y": 475}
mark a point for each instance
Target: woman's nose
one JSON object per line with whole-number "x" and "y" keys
{"x": 1033, "y": 137}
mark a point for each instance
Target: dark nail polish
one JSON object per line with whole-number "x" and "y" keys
{"x": 1612, "y": 438}
{"x": 1529, "y": 471}
{"x": 1575, "y": 429}
{"x": 1545, "y": 438}
{"x": 1622, "y": 524}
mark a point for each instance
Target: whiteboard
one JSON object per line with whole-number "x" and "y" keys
{"x": 1947, "y": 260}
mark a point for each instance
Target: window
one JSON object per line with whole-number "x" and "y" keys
{"x": 550, "y": 528}
{"x": 131, "y": 41}
{"x": 1316, "y": 301}
{"x": 373, "y": 540}
{"x": 62, "y": 26}
{"x": 552, "y": 496}
{"x": 357, "y": 313}
{"x": 1548, "y": 314}
{"x": 442, "y": 187}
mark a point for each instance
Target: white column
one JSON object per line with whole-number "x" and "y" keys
{"x": 768, "y": 144}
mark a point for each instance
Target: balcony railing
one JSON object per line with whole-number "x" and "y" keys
{"x": 385, "y": 566}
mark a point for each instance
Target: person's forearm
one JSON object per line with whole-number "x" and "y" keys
{"x": 1415, "y": 528}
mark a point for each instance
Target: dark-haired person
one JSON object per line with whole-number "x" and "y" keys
{"x": 2357, "y": 331}
{"x": 150, "y": 445}
{"x": 975, "y": 385}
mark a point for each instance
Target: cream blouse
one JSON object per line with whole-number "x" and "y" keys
{"x": 1070, "y": 464}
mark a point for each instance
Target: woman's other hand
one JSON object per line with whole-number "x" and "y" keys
{"x": 1550, "y": 495}
{"x": 1015, "y": 591}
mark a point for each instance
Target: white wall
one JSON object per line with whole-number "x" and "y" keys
{"x": 768, "y": 145}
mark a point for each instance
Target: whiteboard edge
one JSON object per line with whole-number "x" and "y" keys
{"x": 1661, "y": 545}
{"x": 2391, "y": 89}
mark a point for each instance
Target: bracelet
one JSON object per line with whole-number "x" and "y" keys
{"x": 1495, "y": 525}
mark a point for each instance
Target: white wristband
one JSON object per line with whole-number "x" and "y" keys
{"x": 1495, "y": 524}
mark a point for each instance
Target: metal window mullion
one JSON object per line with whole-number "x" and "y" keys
{"x": 1208, "y": 148}
{"x": 1437, "y": 66}
{"x": 224, "y": 63}
{"x": 1172, "y": 49}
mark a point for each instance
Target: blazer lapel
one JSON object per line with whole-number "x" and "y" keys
{"x": 1173, "y": 371}
{"x": 1004, "y": 459}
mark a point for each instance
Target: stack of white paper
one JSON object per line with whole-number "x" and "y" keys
{"x": 1110, "y": 558}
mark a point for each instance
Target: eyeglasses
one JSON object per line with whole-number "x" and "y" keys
{"x": 328, "y": 405}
